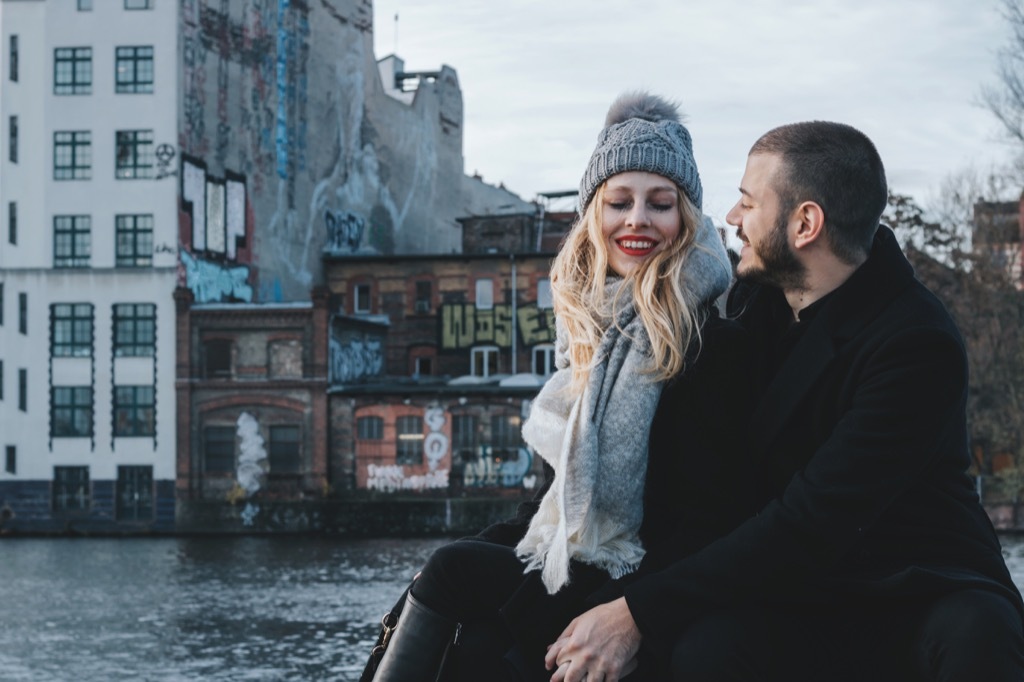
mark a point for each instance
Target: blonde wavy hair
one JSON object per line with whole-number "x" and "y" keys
{"x": 669, "y": 311}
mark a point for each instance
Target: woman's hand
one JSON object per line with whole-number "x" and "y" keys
{"x": 597, "y": 646}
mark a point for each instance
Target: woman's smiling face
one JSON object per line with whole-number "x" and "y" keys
{"x": 639, "y": 217}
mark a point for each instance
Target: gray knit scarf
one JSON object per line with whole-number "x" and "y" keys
{"x": 597, "y": 442}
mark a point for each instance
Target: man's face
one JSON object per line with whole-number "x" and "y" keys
{"x": 763, "y": 226}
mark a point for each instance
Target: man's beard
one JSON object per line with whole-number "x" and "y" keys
{"x": 779, "y": 266}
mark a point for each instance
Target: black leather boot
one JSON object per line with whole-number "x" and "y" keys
{"x": 419, "y": 647}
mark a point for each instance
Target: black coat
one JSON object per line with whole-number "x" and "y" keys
{"x": 697, "y": 486}
{"x": 859, "y": 449}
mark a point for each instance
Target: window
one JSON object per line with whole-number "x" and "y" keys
{"x": 506, "y": 436}
{"x": 72, "y": 71}
{"x": 72, "y": 155}
{"x": 71, "y": 411}
{"x": 12, "y": 139}
{"x": 134, "y": 241}
{"x": 422, "y": 366}
{"x": 484, "y": 294}
{"x": 138, "y": 4}
{"x": 23, "y": 390}
{"x": 1, "y": 379}
{"x": 12, "y": 222}
{"x": 424, "y": 295}
{"x": 1, "y": 304}
{"x": 23, "y": 313}
{"x": 217, "y": 354}
{"x": 11, "y": 461}
{"x": 410, "y": 440}
{"x": 70, "y": 489}
{"x": 218, "y": 449}
{"x": 361, "y": 300}
{"x": 72, "y": 330}
{"x": 135, "y": 158}
{"x": 134, "y": 411}
{"x": 134, "y": 493}
{"x": 544, "y": 359}
{"x": 465, "y": 438}
{"x": 284, "y": 450}
{"x": 485, "y": 361}
{"x": 544, "y": 301}
{"x": 12, "y": 60}
{"x": 369, "y": 428}
{"x": 84, "y": 5}
{"x": 133, "y": 70}
{"x": 72, "y": 241}
{"x": 134, "y": 329}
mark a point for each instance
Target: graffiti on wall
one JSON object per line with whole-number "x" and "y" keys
{"x": 486, "y": 471}
{"x": 251, "y": 457}
{"x": 355, "y": 350}
{"x": 344, "y": 231}
{"x": 217, "y": 209}
{"x": 212, "y": 282}
{"x": 389, "y": 478}
{"x": 463, "y": 325}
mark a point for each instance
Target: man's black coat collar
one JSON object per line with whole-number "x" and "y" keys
{"x": 849, "y": 309}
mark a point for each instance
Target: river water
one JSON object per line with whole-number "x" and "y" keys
{"x": 207, "y": 609}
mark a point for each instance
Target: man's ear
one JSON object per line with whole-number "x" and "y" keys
{"x": 810, "y": 224}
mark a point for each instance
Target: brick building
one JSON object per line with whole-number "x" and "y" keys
{"x": 251, "y": 400}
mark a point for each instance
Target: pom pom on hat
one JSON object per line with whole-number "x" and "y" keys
{"x": 643, "y": 132}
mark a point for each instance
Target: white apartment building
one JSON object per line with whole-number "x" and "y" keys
{"x": 88, "y": 262}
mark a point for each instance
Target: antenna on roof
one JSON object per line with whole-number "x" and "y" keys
{"x": 395, "y": 51}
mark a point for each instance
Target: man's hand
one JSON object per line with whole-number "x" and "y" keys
{"x": 597, "y": 646}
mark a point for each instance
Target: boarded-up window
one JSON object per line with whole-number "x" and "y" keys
{"x": 285, "y": 358}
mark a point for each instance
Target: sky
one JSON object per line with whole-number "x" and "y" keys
{"x": 537, "y": 77}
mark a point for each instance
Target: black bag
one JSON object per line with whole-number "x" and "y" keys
{"x": 388, "y": 624}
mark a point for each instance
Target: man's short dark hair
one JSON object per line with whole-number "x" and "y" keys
{"x": 837, "y": 167}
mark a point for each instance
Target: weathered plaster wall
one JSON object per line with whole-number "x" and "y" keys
{"x": 290, "y": 144}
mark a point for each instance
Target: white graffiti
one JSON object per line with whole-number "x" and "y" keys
{"x": 356, "y": 358}
{"x": 486, "y": 472}
{"x": 435, "y": 445}
{"x": 391, "y": 478}
{"x": 249, "y": 513}
{"x": 218, "y": 210}
{"x": 211, "y": 282}
{"x": 251, "y": 453}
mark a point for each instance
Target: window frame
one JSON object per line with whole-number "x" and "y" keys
{"x": 134, "y": 155}
{"x": 72, "y": 241}
{"x": 284, "y": 454}
{"x": 75, "y": 148}
{"x": 11, "y": 459}
{"x": 131, "y": 230}
{"x": 62, "y": 484}
{"x": 364, "y": 430}
{"x": 12, "y": 222}
{"x": 221, "y": 458}
{"x": 76, "y": 71}
{"x": 23, "y": 313}
{"x": 362, "y": 291}
{"x": 486, "y": 352}
{"x": 134, "y": 62}
{"x": 135, "y": 411}
{"x": 424, "y": 301}
{"x": 484, "y": 289}
{"x": 146, "y": 4}
{"x": 134, "y": 493}
{"x": 12, "y": 57}
{"x": 12, "y": 139}
{"x": 548, "y": 349}
{"x": 134, "y": 330}
{"x": 225, "y": 348}
{"x": 409, "y": 449}
{"x": 78, "y": 408}
{"x": 22, "y": 389}
{"x": 73, "y": 329}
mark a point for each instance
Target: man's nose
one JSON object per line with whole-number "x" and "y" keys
{"x": 733, "y": 216}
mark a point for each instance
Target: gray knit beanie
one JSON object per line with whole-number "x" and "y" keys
{"x": 643, "y": 132}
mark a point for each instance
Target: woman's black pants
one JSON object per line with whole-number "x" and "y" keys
{"x": 473, "y": 582}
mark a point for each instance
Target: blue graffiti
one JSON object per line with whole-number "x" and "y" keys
{"x": 212, "y": 282}
{"x": 283, "y": 47}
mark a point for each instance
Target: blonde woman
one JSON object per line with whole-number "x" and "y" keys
{"x": 637, "y": 425}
